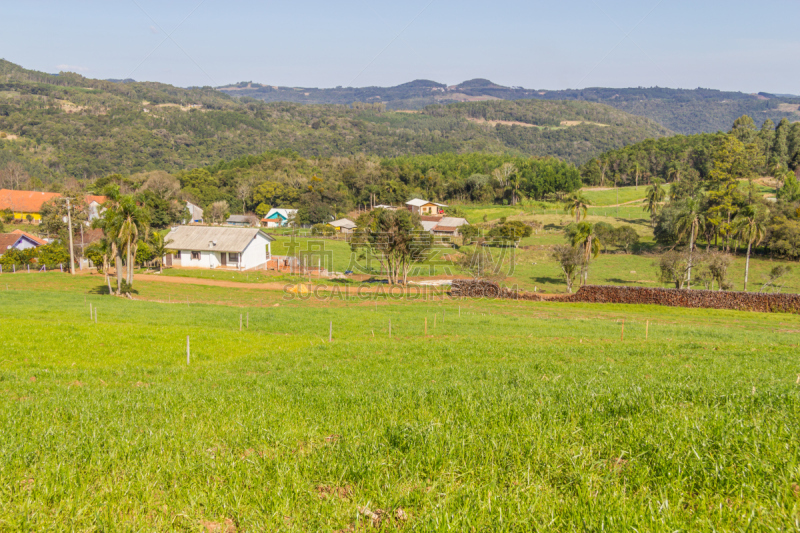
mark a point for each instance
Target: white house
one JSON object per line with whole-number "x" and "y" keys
{"x": 279, "y": 217}
{"x": 94, "y": 205}
{"x": 219, "y": 247}
{"x": 424, "y": 207}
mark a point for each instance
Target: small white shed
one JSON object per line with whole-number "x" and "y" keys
{"x": 219, "y": 247}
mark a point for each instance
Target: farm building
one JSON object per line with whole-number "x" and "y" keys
{"x": 245, "y": 221}
{"x": 195, "y": 214}
{"x": 343, "y": 225}
{"x": 445, "y": 226}
{"x": 218, "y": 247}
{"x": 279, "y": 217}
{"x": 18, "y": 240}
{"x": 424, "y": 207}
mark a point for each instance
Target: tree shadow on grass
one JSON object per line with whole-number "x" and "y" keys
{"x": 102, "y": 290}
{"x": 547, "y": 279}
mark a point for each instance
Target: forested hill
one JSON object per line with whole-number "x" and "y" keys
{"x": 680, "y": 110}
{"x": 55, "y": 127}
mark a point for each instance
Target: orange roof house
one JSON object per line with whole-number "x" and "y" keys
{"x": 24, "y": 203}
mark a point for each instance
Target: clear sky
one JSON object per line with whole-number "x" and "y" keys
{"x": 724, "y": 44}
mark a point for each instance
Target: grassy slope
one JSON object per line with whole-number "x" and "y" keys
{"x": 511, "y": 416}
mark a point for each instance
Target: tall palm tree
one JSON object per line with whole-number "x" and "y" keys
{"x": 160, "y": 246}
{"x": 655, "y": 195}
{"x": 576, "y": 204}
{"x": 636, "y": 171}
{"x": 122, "y": 223}
{"x": 586, "y": 239}
{"x": 690, "y": 220}
{"x": 750, "y": 225}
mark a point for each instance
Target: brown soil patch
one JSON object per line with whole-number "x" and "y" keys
{"x": 325, "y": 492}
{"x": 789, "y": 108}
{"x": 569, "y": 123}
{"x": 503, "y": 122}
{"x": 461, "y": 97}
{"x": 220, "y": 527}
{"x": 8, "y": 136}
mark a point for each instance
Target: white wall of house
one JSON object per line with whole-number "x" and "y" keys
{"x": 25, "y": 244}
{"x": 257, "y": 252}
{"x": 208, "y": 259}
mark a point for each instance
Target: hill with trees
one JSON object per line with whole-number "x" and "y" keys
{"x": 57, "y": 128}
{"x": 681, "y": 110}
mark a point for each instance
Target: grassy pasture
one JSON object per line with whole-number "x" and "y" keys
{"x": 508, "y": 416}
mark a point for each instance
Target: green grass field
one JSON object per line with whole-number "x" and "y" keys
{"x": 507, "y": 416}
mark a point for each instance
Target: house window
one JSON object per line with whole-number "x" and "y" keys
{"x": 195, "y": 256}
{"x": 233, "y": 258}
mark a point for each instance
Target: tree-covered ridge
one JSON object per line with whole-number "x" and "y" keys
{"x": 61, "y": 127}
{"x": 776, "y": 149}
{"x": 681, "y": 110}
{"x": 327, "y": 187}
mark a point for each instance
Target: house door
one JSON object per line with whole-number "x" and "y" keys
{"x": 223, "y": 258}
{"x": 169, "y": 260}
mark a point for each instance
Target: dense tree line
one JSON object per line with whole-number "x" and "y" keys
{"x": 775, "y": 149}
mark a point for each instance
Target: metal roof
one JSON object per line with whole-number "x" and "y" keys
{"x": 343, "y": 223}
{"x": 212, "y": 238}
{"x": 428, "y": 225}
{"x": 419, "y": 202}
{"x": 453, "y": 222}
{"x": 239, "y": 218}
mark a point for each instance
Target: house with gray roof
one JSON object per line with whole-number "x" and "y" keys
{"x": 218, "y": 247}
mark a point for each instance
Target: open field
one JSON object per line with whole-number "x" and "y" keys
{"x": 508, "y": 416}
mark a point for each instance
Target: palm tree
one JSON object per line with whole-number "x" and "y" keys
{"x": 575, "y": 204}
{"x": 655, "y": 195}
{"x": 636, "y": 170}
{"x": 159, "y": 246}
{"x": 122, "y": 222}
{"x": 586, "y": 239}
{"x": 690, "y": 219}
{"x": 750, "y": 225}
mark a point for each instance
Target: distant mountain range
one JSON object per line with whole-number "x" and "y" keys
{"x": 680, "y": 110}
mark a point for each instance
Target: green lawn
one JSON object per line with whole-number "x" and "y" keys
{"x": 508, "y": 416}
{"x": 614, "y": 196}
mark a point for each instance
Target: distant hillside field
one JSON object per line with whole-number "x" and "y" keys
{"x": 67, "y": 126}
{"x": 680, "y": 110}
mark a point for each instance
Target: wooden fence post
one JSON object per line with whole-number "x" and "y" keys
{"x": 426, "y": 325}
{"x": 247, "y": 323}
{"x": 646, "y": 329}
{"x": 95, "y": 315}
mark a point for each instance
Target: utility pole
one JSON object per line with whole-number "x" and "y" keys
{"x": 71, "y": 251}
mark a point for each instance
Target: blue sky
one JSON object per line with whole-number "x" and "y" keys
{"x": 729, "y": 45}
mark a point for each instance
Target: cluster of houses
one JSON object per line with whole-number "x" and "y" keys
{"x": 241, "y": 244}
{"x": 26, "y": 206}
